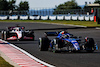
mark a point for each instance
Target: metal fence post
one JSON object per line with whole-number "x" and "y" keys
{"x": 98, "y": 13}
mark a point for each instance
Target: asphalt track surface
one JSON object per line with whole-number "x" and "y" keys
{"x": 64, "y": 59}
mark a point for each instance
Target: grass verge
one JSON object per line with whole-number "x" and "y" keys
{"x": 3, "y": 63}
{"x": 83, "y": 23}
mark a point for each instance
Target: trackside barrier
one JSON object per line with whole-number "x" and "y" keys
{"x": 87, "y": 18}
{"x": 94, "y": 18}
{"x": 74, "y": 17}
{"x": 23, "y": 17}
{"x": 60, "y": 17}
{"x": 91, "y": 18}
{"x": 34, "y": 17}
{"x": 13, "y": 17}
{"x": 44, "y": 17}
{"x": 52, "y": 17}
{"x": 3, "y": 17}
{"x": 80, "y": 18}
{"x": 67, "y": 17}
{"x": 31, "y": 17}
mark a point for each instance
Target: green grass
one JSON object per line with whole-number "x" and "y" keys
{"x": 3, "y": 63}
{"x": 83, "y": 23}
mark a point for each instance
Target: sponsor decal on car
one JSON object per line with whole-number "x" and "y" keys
{"x": 73, "y": 41}
{"x": 28, "y": 37}
{"x": 12, "y": 38}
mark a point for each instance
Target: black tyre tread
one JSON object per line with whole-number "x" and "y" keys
{"x": 5, "y": 35}
{"x": 44, "y": 44}
{"x": 90, "y": 44}
{"x": 2, "y": 35}
{"x": 60, "y": 43}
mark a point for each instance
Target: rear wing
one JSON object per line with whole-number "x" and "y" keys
{"x": 51, "y": 33}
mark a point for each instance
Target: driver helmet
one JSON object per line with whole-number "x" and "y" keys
{"x": 63, "y": 32}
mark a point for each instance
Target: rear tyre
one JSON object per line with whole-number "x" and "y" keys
{"x": 90, "y": 45}
{"x": 58, "y": 44}
{"x": 32, "y": 33}
{"x": 33, "y": 38}
{"x": 43, "y": 44}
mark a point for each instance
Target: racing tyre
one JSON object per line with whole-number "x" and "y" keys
{"x": 89, "y": 45}
{"x": 32, "y": 33}
{"x": 2, "y": 35}
{"x": 43, "y": 44}
{"x": 5, "y": 35}
{"x": 58, "y": 43}
{"x": 33, "y": 37}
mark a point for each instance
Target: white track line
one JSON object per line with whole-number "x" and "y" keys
{"x": 36, "y": 59}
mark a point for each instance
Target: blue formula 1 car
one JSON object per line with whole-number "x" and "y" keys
{"x": 65, "y": 41}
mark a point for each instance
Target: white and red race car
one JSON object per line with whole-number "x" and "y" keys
{"x": 17, "y": 33}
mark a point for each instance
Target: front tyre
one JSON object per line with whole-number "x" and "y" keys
{"x": 2, "y": 35}
{"x": 5, "y": 35}
{"x": 90, "y": 45}
{"x": 43, "y": 44}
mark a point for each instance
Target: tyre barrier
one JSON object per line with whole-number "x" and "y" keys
{"x": 23, "y": 17}
{"x": 13, "y": 17}
{"x": 47, "y": 17}
{"x": 3, "y": 17}
{"x": 67, "y": 17}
